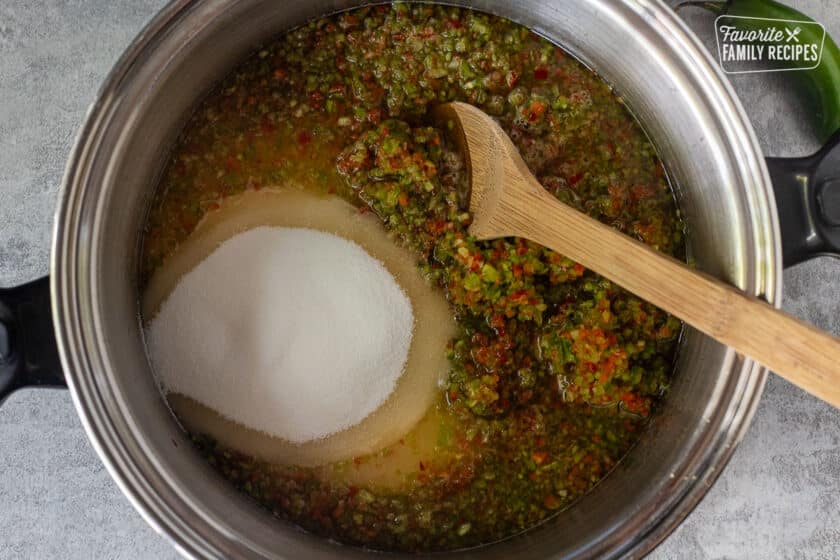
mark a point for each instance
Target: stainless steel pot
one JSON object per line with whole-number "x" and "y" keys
{"x": 670, "y": 83}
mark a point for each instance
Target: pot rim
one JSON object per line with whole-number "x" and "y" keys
{"x": 79, "y": 344}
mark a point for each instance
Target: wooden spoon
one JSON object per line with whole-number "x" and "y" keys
{"x": 507, "y": 201}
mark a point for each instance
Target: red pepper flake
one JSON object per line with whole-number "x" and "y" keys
{"x": 536, "y": 110}
{"x": 647, "y": 232}
{"x": 304, "y": 137}
{"x": 497, "y": 321}
{"x": 280, "y": 74}
{"x": 512, "y": 78}
{"x": 540, "y": 73}
{"x": 422, "y": 466}
{"x": 575, "y": 179}
{"x": 636, "y": 404}
{"x": 638, "y": 192}
{"x": 539, "y": 457}
{"x": 435, "y": 227}
{"x": 403, "y": 199}
{"x": 552, "y": 502}
{"x": 316, "y": 98}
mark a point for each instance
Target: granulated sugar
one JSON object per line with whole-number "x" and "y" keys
{"x": 293, "y": 332}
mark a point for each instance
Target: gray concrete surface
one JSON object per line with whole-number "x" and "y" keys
{"x": 779, "y": 497}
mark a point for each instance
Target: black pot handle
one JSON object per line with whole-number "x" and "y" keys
{"x": 808, "y": 201}
{"x": 28, "y": 352}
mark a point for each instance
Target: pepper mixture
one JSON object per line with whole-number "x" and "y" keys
{"x": 554, "y": 370}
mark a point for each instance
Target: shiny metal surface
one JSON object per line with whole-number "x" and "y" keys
{"x": 667, "y": 80}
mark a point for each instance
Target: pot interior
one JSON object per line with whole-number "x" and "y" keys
{"x": 638, "y": 46}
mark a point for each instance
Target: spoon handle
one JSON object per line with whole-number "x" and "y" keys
{"x": 802, "y": 354}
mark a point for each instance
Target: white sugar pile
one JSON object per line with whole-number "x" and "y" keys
{"x": 293, "y": 332}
